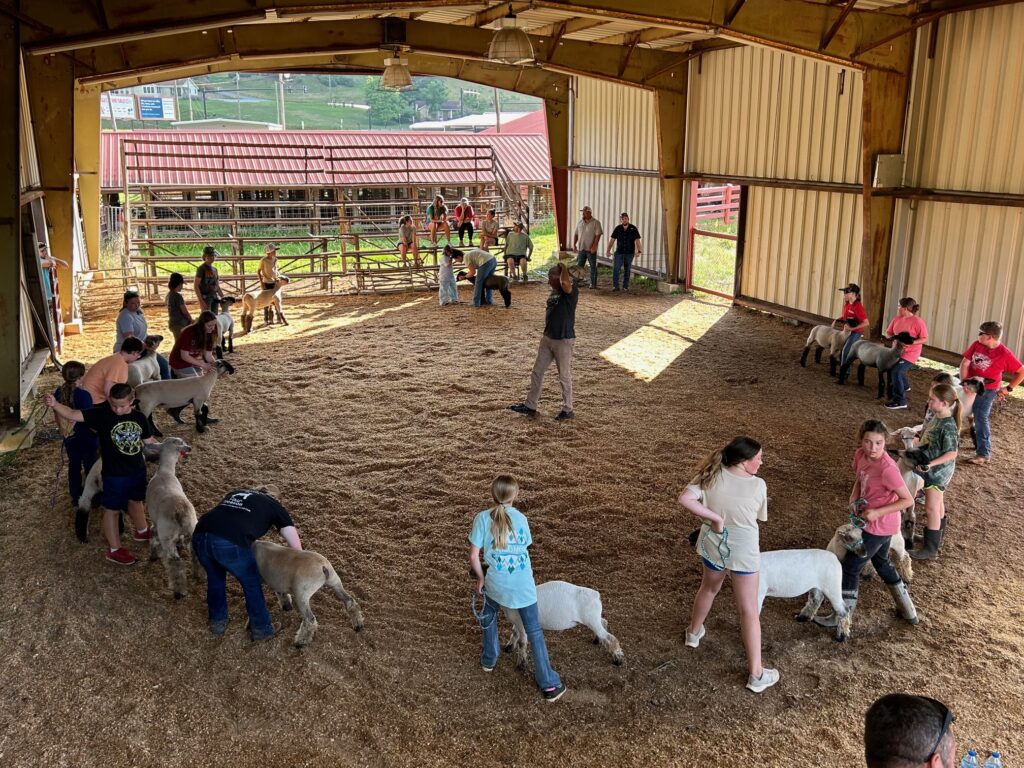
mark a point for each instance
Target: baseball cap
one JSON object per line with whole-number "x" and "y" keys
{"x": 465, "y": 200}
{"x": 586, "y": 208}
{"x": 270, "y": 247}
{"x": 851, "y": 288}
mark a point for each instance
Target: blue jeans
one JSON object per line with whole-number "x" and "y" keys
{"x": 485, "y": 271}
{"x": 982, "y": 430}
{"x": 82, "y": 449}
{"x": 624, "y": 262}
{"x": 848, "y": 347}
{"x": 898, "y": 380}
{"x": 165, "y": 367}
{"x": 220, "y": 557}
{"x": 545, "y": 676}
{"x": 876, "y": 549}
{"x": 581, "y": 258}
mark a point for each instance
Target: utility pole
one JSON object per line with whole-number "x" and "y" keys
{"x": 280, "y": 99}
{"x": 205, "y": 115}
{"x": 497, "y": 113}
{"x": 238, "y": 100}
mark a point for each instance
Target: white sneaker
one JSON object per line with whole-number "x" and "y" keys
{"x": 692, "y": 641}
{"x": 768, "y": 678}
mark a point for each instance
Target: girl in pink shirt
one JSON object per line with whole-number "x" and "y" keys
{"x": 906, "y": 320}
{"x": 879, "y": 495}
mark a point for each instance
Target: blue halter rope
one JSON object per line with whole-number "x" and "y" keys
{"x": 722, "y": 548}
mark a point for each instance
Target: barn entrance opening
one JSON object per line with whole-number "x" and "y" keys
{"x": 713, "y": 230}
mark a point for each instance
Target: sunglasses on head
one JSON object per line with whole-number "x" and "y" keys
{"x": 947, "y": 720}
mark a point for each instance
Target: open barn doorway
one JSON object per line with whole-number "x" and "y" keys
{"x": 714, "y": 221}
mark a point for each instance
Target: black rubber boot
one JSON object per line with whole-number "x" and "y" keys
{"x": 82, "y": 525}
{"x": 267, "y": 316}
{"x": 176, "y": 413}
{"x": 930, "y": 549}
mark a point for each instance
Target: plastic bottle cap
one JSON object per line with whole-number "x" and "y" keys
{"x": 995, "y": 754}
{"x": 972, "y": 753}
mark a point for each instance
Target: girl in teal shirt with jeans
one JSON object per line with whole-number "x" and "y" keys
{"x": 502, "y": 536}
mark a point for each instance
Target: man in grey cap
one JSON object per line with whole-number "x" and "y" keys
{"x": 584, "y": 242}
{"x": 207, "y": 282}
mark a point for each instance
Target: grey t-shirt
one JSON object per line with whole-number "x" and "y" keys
{"x": 130, "y": 322}
{"x": 175, "y": 310}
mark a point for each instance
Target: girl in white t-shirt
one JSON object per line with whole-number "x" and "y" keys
{"x": 727, "y": 494}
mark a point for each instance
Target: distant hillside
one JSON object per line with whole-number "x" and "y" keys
{"x": 315, "y": 102}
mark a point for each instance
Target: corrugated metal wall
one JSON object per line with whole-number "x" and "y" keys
{"x": 26, "y": 328}
{"x": 965, "y": 263}
{"x": 801, "y": 246}
{"x": 29, "y": 170}
{"x": 764, "y": 113}
{"x": 967, "y": 113}
{"x": 615, "y": 127}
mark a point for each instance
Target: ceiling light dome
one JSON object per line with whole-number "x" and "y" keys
{"x": 510, "y": 44}
{"x": 396, "y": 75}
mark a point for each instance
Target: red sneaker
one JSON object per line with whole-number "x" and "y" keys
{"x": 121, "y": 557}
{"x": 145, "y": 535}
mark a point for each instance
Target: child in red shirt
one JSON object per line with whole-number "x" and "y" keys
{"x": 989, "y": 359}
{"x": 855, "y": 317}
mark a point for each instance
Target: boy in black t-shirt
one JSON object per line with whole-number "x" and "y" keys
{"x": 121, "y": 431}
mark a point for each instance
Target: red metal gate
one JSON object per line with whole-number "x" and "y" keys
{"x": 711, "y": 265}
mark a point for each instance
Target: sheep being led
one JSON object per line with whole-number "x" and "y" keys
{"x": 225, "y": 341}
{"x": 296, "y": 575}
{"x": 175, "y": 394}
{"x": 561, "y": 606}
{"x": 795, "y": 572}
{"x": 269, "y": 297}
{"x": 173, "y": 516}
{"x": 825, "y": 337}
{"x": 872, "y": 355}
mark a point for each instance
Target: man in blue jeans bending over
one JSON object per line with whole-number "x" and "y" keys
{"x": 223, "y": 542}
{"x": 588, "y": 235}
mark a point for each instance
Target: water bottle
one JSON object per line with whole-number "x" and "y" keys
{"x": 970, "y": 760}
{"x": 994, "y": 761}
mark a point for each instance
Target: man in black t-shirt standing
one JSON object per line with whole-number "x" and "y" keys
{"x": 556, "y": 344}
{"x": 627, "y": 245}
{"x": 223, "y": 541}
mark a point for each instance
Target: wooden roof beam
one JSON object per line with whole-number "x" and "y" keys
{"x": 837, "y": 23}
{"x": 644, "y": 36}
{"x": 566, "y": 27}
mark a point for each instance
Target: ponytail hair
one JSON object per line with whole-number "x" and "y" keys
{"x": 738, "y": 450}
{"x": 503, "y": 491}
{"x": 909, "y": 304}
{"x": 947, "y": 394}
{"x": 71, "y": 372}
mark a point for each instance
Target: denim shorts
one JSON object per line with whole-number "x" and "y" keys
{"x": 119, "y": 490}
{"x": 711, "y": 566}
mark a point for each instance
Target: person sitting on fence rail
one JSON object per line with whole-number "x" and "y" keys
{"x": 518, "y": 250}
{"x": 628, "y": 244}
{"x": 464, "y": 216}
{"x": 437, "y": 216}
{"x": 207, "y": 282}
{"x": 408, "y": 240}
{"x": 489, "y": 230}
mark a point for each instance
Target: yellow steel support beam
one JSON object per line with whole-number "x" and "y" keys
{"x": 87, "y": 163}
{"x": 282, "y": 42}
{"x": 51, "y": 91}
{"x": 557, "y": 113}
{"x": 10, "y": 227}
{"x": 884, "y": 112}
{"x": 791, "y": 25}
{"x": 670, "y": 108}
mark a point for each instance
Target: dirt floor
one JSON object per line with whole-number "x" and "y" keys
{"x": 384, "y": 420}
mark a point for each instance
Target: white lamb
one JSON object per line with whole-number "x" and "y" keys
{"x": 259, "y": 299}
{"x": 850, "y": 538}
{"x": 562, "y": 606}
{"x": 826, "y": 337}
{"x": 795, "y": 572}
{"x": 298, "y": 574}
{"x": 225, "y": 341}
{"x": 175, "y": 394}
{"x": 147, "y": 367}
{"x": 173, "y": 516}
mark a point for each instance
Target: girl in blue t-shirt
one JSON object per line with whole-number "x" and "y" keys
{"x": 80, "y": 442}
{"x": 502, "y": 536}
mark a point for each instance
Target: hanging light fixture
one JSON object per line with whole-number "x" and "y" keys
{"x": 510, "y": 44}
{"x": 396, "y": 75}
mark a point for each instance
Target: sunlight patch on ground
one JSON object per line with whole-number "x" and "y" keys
{"x": 317, "y": 327}
{"x": 652, "y": 348}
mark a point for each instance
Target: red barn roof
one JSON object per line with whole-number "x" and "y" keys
{"x": 535, "y": 122}
{"x": 206, "y": 159}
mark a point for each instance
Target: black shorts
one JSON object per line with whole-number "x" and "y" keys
{"x": 518, "y": 259}
{"x": 269, "y": 286}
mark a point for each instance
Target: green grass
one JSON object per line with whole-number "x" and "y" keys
{"x": 714, "y": 259}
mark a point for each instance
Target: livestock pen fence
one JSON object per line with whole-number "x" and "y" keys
{"x": 335, "y": 222}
